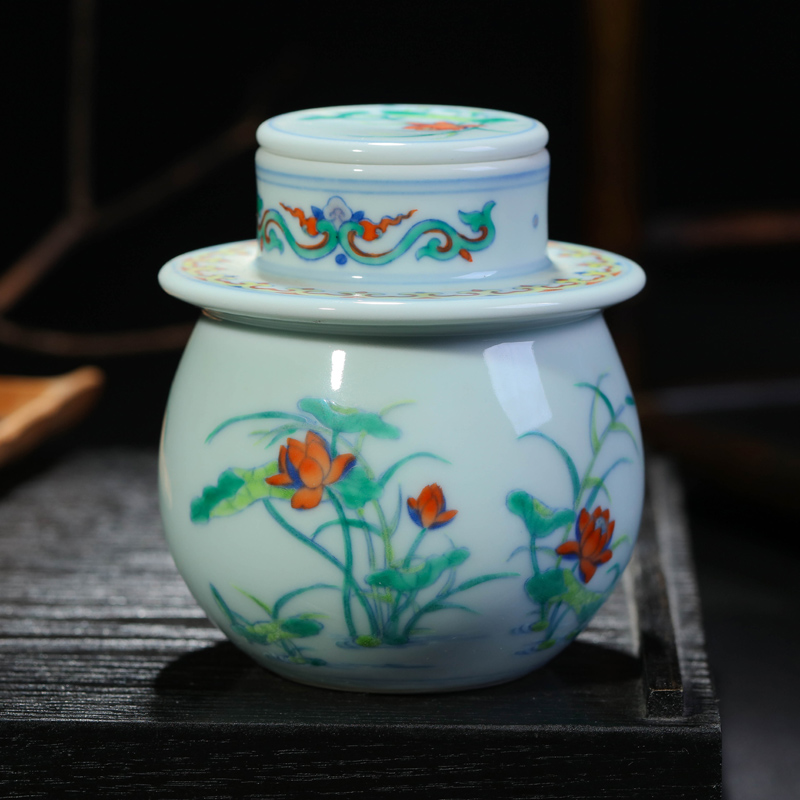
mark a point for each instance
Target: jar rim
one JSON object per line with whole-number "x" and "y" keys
{"x": 226, "y": 280}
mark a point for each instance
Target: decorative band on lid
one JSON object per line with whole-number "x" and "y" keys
{"x": 408, "y": 195}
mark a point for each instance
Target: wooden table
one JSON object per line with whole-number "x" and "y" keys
{"x": 113, "y": 684}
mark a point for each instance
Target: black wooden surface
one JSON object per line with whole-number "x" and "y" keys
{"x": 114, "y": 684}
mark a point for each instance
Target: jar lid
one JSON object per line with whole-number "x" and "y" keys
{"x": 407, "y": 219}
{"x": 418, "y": 196}
{"x": 225, "y": 280}
{"x": 402, "y": 134}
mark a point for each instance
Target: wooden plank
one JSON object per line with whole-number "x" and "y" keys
{"x": 661, "y": 673}
{"x": 114, "y": 684}
{"x": 32, "y": 409}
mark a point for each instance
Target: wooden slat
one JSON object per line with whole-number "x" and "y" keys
{"x": 32, "y": 409}
{"x": 114, "y": 684}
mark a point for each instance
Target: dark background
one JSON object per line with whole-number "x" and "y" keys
{"x": 704, "y": 197}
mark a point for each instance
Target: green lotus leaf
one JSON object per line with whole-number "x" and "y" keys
{"x": 582, "y": 601}
{"x": 297, "y": 627}
{"x": 545, "y": 586}
{"x": 539, "y": 518}
{"x": 236, "y": 489}
{"x": 561, "y": 586}
{"x": 414, "y": 579}
{"x": 348, "y": 420}
{"x": 357, "y": 488}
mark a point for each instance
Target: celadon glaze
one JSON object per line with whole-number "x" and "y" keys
{"x": 401, "y": 486}
{"x": 376, "y": 193}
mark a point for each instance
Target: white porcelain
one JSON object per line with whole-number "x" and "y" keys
{"x": 401, "y": 485}
{"x": 397, "y": 194}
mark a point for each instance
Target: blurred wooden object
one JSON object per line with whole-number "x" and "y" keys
{"x": 753, "y": 464}
{"x": 748, "y": 228}
{"x": 612, "y": 216}
{"x": 33, "y": 409}
{"x": 612, "y": 211}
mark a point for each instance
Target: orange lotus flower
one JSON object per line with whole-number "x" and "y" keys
{"x": 438, "y": 126}
{"x": 429, "y": 510}
{"x": 308, "y": 468}
{"x": 593, "y": 534}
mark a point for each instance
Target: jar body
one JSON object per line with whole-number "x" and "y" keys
{"x": 405, "y": 514}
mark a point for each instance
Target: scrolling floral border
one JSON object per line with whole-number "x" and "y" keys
{"x": 222, "y": 266}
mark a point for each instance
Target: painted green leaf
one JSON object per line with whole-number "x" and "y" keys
{"x": 260, "y": 632}
{"x": 387, "y": 476}
{"x": 617, "y": 542}
{"x": 357, "y": 488}
{"x": 622, "y": 428}
{"x": 259, "y": 415}
{"x": 600, "y": 395}
{"x": 282, "y": 601}
{"x": 539, "y": 518}
{"x": 348, "y": 420}
{"x": 570, "y": 464}
{"x": 412, "y": 580}
{"x": 228, "y": 484}
{"x": 439, "y": 605}
{"x": 582, "y": 601}
{"x": 297, "y": 627}
{"x": 545, "y": 586}
{"x": 561, "y": 586}
{"x": 462, "y": 587}
{"x": 236, "y": 489}
{"x": 267, "y": 631}
{"x": 541, "y": 625}
{"x": 599, "y": 484}
{"x": 353, "y": 523}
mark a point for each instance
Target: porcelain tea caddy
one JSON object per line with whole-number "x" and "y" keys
{"x": 400, "y": 453}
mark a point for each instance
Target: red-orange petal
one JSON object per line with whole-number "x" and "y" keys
{"x": 306, "y": 498}
{"x": 428, "y": 512}
{"x": 587, "y": 569}
{"x": 296, "y": 451}
{"x": 317, "y": 448}
{"x": 339, "y": 465}
{"x": 569, "y": 548}
{"x": 604, "y": 556}
{"x": 445, "y": 516}
{"x": 282, "y": 459}
{"x": 425, "y": 496}
{"x": 311, "y": 473}
{"x": 438, "y": 495}
{"x": 591, "y": 543}
{"x": 281, "y": 479}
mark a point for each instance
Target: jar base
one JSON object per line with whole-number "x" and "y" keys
{"x": 398, "y": 685}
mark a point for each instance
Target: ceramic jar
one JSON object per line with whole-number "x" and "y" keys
{"x": 400, "y": 453}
